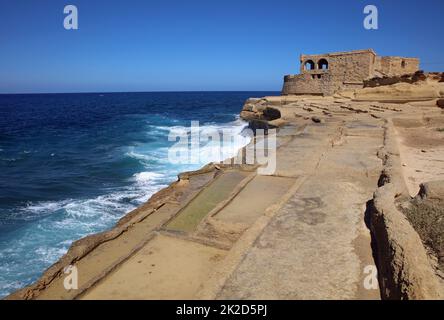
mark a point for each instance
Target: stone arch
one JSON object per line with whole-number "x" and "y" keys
{"x": 403, "y": 64}
{"x": 309, "y": 65}
{"x": 323, "y": 64}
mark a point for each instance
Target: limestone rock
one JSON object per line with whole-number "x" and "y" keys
{"x": 250, "y": 115}
{"x": 260, "y": 107}
{"x": 248, "y": 107}
{"x": 278, "y": 123}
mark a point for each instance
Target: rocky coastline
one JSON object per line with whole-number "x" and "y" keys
{"x": 308, "y": 231}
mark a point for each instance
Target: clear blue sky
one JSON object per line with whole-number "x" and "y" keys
{"x": 174, "y": 45}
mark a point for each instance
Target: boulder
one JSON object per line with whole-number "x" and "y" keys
{"x": 432, "y": 190}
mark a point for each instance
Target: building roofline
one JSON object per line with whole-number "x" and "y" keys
{"x": 406, "y": 58}
{"x": 352, "y": 52}
{"x": 341, "y": 53}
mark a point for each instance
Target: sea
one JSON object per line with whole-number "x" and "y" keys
{"x": 74, "y": 164}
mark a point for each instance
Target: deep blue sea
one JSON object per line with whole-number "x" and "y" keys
{"x": 73, "y": 164}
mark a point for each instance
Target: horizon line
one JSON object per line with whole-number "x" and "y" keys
{"x": 109, "y": 92}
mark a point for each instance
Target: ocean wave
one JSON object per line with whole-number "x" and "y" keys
{"x": 217, "y": 142}
{"x": 149, "y": 159}
{"x": 49, "y": 253}
{"x": 101, "y": 210}
{"x": 141, "y": 156}
{"x": 238, "y": 123}
{"x": 143, "y": 178}
{"x": 38, "y": 210}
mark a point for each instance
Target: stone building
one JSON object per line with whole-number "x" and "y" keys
{"x": 325, "y": 74}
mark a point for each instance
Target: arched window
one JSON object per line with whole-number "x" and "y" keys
{"x": 323, "y": 64}
{"x": 309, "y": 65}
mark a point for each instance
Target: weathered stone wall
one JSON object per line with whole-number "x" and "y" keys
{"x": 340, "y": 64}
{"x": 352, "y": 67}
{"x": 325, "y": 74}
{"x": 335, "y": 76}
{"x": 315, "y": 84}
{"x": 391, "y": 66}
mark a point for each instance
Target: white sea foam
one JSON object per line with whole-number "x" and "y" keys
{"x": 155, "y": 156}
{"x": 45, "y": 206}
{"x": 37, "y": 210}
{"x": 47, "y": 253}
{"x": 215, "y": 143}
{"x": 144, "y": 178}
{"x": 99, "y": 212}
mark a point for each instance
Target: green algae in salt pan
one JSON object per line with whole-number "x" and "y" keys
{"x": 188, "y": 219}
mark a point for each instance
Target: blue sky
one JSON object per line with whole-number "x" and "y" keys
{"x": 158, "y": 45}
